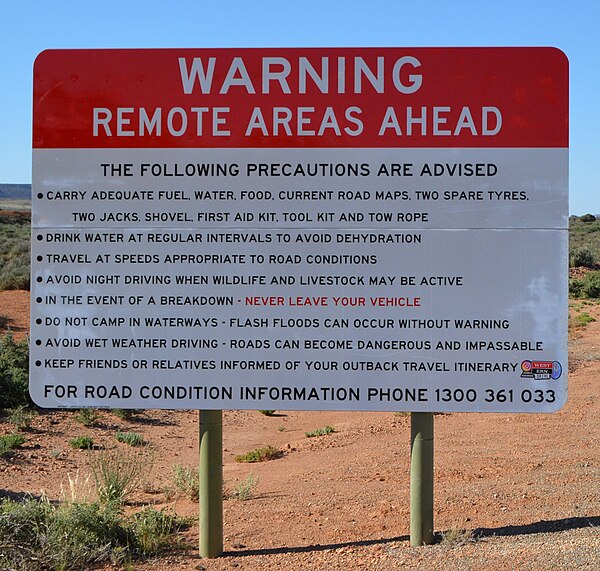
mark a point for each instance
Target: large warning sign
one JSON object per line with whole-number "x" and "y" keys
{"x": 358, "y": 229}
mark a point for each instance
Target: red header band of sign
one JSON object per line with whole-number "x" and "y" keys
{"x": 301, "y": 97}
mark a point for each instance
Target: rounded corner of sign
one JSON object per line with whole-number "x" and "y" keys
{"x": 37, "y": 401}
{"x": 559, "y": 404}
{"x": 560, "y": 54}
{"x": 39, "y": 58}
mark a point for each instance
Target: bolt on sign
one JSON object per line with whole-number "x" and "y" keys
{"x": 344, "y": 228}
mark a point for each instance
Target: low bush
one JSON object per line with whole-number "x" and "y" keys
{"x": 14, "y": 373}
{"x": 582, "y": 319}
{"x": 186, "y": 481}
{"x": 36, "y": 535}
{"x": 82, "y": 442}
{"x": 87, "y": 416}
{"x": 575, "y": 287}
{"x": 590, "y": 287}
{"x": 319, "y": 432}
{"x": 131, "y": 438}
{"x": 260, "y": 455}
{"x": 21, "y": 417}
{"x": 457, "y": 536}
{"x": 124, "y": 413}
{"x": 10, "y": 441}
{"x": 581, "y": 257}
{"x": 584, "y": 235}
{"x": 154, "y": 530}
{"x": 14, "y": 254}
{"x": 118, "y": 474}
{"x": 267, "y": 412}
{"x": 246, "y": 488}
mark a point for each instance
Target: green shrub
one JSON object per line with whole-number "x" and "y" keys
{"x": 575, "y": 287}
{"x": 85, "y": 533}
{"x": 591, "y": 285}
{"x": 582, "y": 319}
{"x": 245, "y": 489}
{"x": 583, "y": 236}
{"x": 581, "y": 257}
{"x": 131, "y": 438}
{"x": 154, "y": 530}
{"x": 15, "y": 274}
{"x": 14, "y": 372}
{"x": 267, "y": 412}
{"x": 588, "y": 218}
{"x": 124, "y": 413}
{"x": 320, "y": 432}
{"x": 36, "y": 535}
{"x": 87, "y": 416}
{"x": 21, "y": 417}
{"x": 14, "y": 254}
{"x": 186, "y": 481}
{"x": 260, "y": 455}
{"x": 457, "y": 536}
{"x": 10, "y": 441}
{"x": 22, "y": 519}
{"x": 82, "y": 442}
{"x": 117, "y": 474}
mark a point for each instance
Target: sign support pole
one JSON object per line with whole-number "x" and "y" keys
{"x": 421, "y": 479}
{"x": 210, "y": 494}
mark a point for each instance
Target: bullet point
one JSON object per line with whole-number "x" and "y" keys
{"x": 38, "y": 363}
{"x": 40, "y": 237}
{"x": 40, "y": 195}
{"x": 40, "y": 258}
{"x": 38, "y": 342}
{"x": 38, "y": 321}
{"x": 38, "y": 300}
{"x": 39, "y": 279}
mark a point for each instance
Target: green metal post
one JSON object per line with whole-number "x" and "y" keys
{"x": 421, "y": 479}
{"x": 211, "y": 483}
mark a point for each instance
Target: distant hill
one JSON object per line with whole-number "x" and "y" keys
{"x": 15, "y": 191}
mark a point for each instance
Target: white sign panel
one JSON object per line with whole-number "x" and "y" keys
{"x": 273, "y": 237}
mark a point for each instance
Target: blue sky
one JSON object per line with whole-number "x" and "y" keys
{"x": 30, "y": 26}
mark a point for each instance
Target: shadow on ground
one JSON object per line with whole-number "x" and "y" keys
{"x": 553, "y": 526}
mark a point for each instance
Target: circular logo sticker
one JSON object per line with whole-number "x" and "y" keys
{"x": 556, "y": 369}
